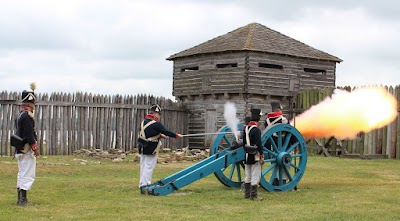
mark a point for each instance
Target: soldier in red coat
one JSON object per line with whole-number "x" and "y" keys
{"x": 273, "y": 118}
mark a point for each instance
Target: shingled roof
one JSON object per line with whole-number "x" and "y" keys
{"x": 256, "y": 37}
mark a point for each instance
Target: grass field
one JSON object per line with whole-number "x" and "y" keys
{"x": 67, "y": 188}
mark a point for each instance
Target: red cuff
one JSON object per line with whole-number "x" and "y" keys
{"x": 34, "y": 147}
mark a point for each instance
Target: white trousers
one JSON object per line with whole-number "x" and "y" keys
{"x": 26, "y": 170}
{"x": 147, "y": 166}
{"x": 253, "y": 173}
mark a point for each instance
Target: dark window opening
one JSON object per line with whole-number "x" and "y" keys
{"x": 231, "y": 65}
{"x": 272, "y": 66}
{"x": 312, "y": 70}
{"x": 196, "y": 68}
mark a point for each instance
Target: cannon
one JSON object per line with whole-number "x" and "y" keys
{"x": 285, "y": 154}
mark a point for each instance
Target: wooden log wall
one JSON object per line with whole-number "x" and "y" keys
{"x": 383, "y": 141}
{"x": 67, "y": 122}
{"x": 251, "y": 73}
{"x": 277, "y": 81}
{"x": 215, "y": 75}
{"x": 206, "y": 113}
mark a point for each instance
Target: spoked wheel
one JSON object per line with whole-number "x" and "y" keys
{"x": 285, "y": 154}
{"x": 233, "y": 175}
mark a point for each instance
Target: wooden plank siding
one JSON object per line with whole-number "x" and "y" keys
{"x": 68, "y": 122}
{"x": 277, "y": 81}
{"x": 198, "y": 108}
{"x": 248, "y": 76}
{"x": 209, "y": 79}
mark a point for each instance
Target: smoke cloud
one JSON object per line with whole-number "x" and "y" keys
{"x": 346, "y": 114}
{"x": 230, "y": 117}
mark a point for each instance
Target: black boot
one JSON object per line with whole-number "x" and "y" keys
{"x": 144, "y": 190}
{"x": 254, "y": 193}
{"x": 19, "y": 196}
{"x": 247, "y": 190}
{"x": 23, "y": 200}
{"x": 276, "y": 182}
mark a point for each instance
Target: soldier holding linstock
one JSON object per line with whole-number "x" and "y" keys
{"x": 151, "y": 130}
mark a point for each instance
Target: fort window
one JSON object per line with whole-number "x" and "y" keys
{"x": 230, "y": 65}
{"x": 317, "y": 71}
{"x": 195, "y": 68}
{"x": 272, "y": 66}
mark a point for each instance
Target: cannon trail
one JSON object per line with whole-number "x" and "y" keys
{"x": 346, "y": 114}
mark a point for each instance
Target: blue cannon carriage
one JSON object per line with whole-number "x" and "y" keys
{"x": 285, "y": 162}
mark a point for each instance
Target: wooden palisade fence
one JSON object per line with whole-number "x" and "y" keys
{"x": 67, "y": 122}
{"x": 384, "y": 141}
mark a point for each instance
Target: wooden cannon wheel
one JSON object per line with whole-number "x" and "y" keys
{"x": 233, "y": 175}
{"x": 285, "y": 159}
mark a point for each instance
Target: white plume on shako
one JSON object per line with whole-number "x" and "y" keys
{"x": 230, "y": 117}
{"x": 348, "y": 113}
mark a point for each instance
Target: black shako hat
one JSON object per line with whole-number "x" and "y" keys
{"x": 155, "y": 108}
{"x": 28, "y": 97}
{"x": 255, "y": 114}
{"x": 276, "y": 105}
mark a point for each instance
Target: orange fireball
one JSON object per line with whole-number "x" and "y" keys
{"x": 345, "y": 114}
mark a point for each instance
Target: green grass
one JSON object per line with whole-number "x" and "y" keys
{"x": 331, "y": 189}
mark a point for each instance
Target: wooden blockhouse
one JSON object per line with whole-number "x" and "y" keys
{"x": 250, "y": 66}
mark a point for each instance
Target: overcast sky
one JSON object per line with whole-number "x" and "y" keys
{"x": 120, "y": 47}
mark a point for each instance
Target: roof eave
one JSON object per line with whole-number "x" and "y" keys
{"x": 176, "y": 56}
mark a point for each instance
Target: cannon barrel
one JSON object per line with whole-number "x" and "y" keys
{"x": 236, "y": 144}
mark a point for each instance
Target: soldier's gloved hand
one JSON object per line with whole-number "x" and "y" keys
{"x": 35, "y": 149}
{"x": 262, "y": 161}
